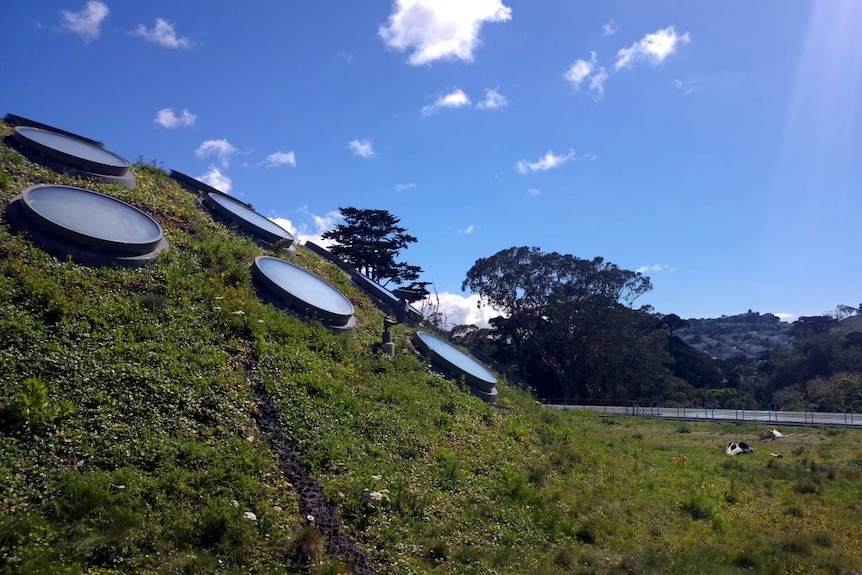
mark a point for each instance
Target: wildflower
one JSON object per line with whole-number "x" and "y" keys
{"x": 238, "y": 312}
{"x": 234, "y": 503}
{"x": 277, "y": 508}
{"x": 377, "y": 477}
{"x": 222, "y": 275}
{"x": 211, "y": 280}
{"x": 260, "y": 321}
{"x": 250, "y": 516}
{"x": 310, "y": 517}
{"x": 236, "y": 283}
{"x": 216, "y": 307}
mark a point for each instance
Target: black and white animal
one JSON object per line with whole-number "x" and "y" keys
{"x": 738, "y": 447}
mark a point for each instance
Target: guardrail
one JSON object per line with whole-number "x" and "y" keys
{"x": 849, "y": 418}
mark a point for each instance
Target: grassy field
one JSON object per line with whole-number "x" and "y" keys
{"x": 128, "y": 442}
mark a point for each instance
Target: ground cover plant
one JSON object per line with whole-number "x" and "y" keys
{"x": 129, "y": 443}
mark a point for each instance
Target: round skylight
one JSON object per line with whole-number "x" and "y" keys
{"x": 92, "y": 228}
{"x": 303, "y": 290}
{"x": 92, "y": 219}
{"x": 71, "y": 151}
{"x": 457, "y": 363}
{"x": 248, "y": 219}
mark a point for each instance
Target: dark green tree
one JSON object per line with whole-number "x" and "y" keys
{"x": 569, "y": 319}
{"x": 370, "y": 240}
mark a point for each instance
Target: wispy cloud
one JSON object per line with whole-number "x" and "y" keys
{"x": 588, "y": 70}
{"x": 279, "y": 158}
{"x": 362, "y": 148}
{"x": 86, "y": 22}
{"x": 168, "y": 119}
{"x": 687, "y": 86}
{"x": 220, "y": 148}
{"x": 213, "y": 177}
{"x": 440, "y": 30}
{"x": 346, "y": 57}
{"x": 319, "y": 225}
{"x": 469, "y": 229}
{"x": 550, "y": 160}
{"x": 403, "y": 187}
{"x": 652, "y": 48}
{"x": 534, "y": 192}
{"x": 163, "y": 34}
{"x": 493, "y": 100}
{"x": 652, "y": 268}
{"x": 454, "y": 99}
{"x": 460, "y": 310}
{"x": 610, "y": 28}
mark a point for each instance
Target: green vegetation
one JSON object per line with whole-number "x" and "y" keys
{"x": 128, "y": 442}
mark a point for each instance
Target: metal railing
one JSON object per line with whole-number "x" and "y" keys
{"x": 633, "y": 408}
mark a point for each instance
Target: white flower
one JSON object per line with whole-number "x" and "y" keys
{"x": 310, "y": 517}
{"x": 234, "y": 503}
{"x": 238, "y": 312}
{"x": 250, "y": 516}
{"x": 377, "y": 477}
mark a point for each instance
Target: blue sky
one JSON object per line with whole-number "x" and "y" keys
{"x": 715, "y": 146}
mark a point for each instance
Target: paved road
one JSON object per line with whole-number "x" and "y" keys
{"x": 783, "y": 417}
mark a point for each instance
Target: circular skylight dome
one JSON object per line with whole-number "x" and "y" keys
{"x": 248, "y": 219}
{"x": 89, "y": 226}
{"x": 303, "y": 290}
{"x": 457, "y": 363}
{"x": 72, "y": 151}
{"x": 374, "y": 289}
{"x": 67, "y": 153}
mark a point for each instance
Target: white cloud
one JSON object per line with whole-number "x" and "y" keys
{"x": 460, "y": 310}
{"x": 163, "y": 34}
{"x": 788, "y": 317}
{"x": 455, "y": 99}
{"x": 687, "y": 86}
{"x": 279, "y": 158}
{"x": 583, "y": 70}
{"x": 470, "y": 229}
{"x": 550, "y": 160}
{"x": 362, "y": 148}
{"x": 652, "y": 268}
{"x": 216, "y": 179}
{"x": 597, "y": 82}
{"x": 404, "y": 187}
{"x": 321, "y": 224}
{"x": 534, "y": 192}
{"x": 580, "y": 70}
{"x": 610, "y": 28}
{"x": 440, "y": 29}
{"x": 168, "y": 119}
{"x": 653, "y": 48}
{"x": 493, "y": 100}
{"x": 87, "y": 22}
{"x": 285, "y": 224}
{"x": 220, "y": 148}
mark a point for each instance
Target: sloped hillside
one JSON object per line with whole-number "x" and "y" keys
{"x": 131, "y": 438}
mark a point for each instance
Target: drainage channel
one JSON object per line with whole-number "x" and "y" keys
{"x": 311, "y": 499}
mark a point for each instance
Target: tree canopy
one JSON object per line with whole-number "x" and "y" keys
{"x": 370, "y": 240}
{"x": 570, "y": 315}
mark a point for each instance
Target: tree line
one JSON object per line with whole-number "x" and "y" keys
{"x": 571, "y": 330}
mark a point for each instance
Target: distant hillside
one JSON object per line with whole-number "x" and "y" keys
{"x": 746, "y": 334}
